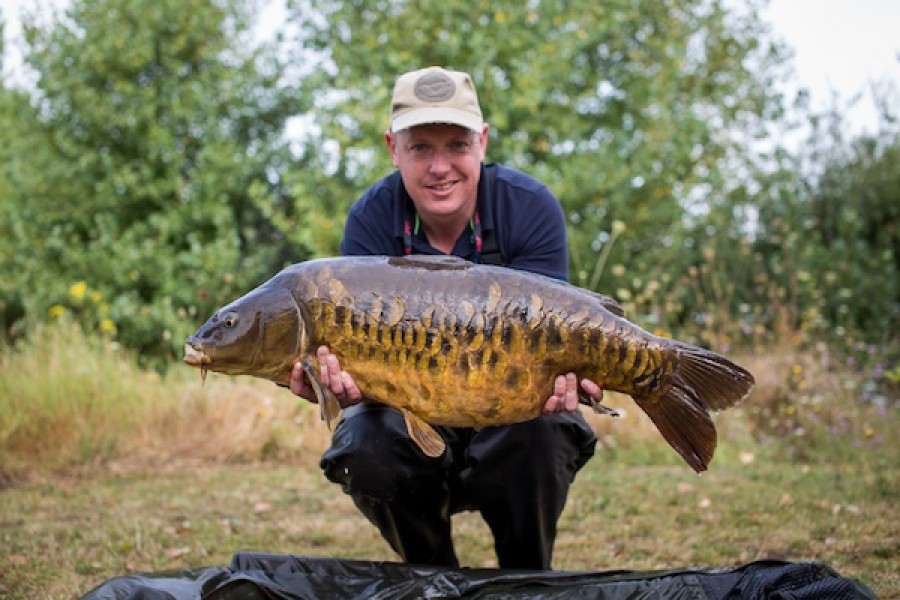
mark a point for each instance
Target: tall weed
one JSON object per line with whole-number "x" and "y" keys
{"x": 70, "y": 400}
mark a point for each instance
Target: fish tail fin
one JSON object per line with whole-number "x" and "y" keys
{"x": 702, "y": 381}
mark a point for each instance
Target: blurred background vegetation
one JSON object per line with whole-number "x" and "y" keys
{"x": 162, "y": 160}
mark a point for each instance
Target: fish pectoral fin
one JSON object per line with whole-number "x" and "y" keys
{"x": 424, "y": 435}
{"x": 597, "y": 406}
{"x": 329, "y": 407}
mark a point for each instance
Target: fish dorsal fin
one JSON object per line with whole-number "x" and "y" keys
{"x": 329, "y": 407}
{"x": 432, "y": 262}
{"x": 610, "y": 304}
{"x": 424, "y": 435}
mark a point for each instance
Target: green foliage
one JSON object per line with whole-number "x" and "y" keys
{"x": 830, "y": 231}
{"x": 145, "y": 179}
{"x": 129, "y": 167}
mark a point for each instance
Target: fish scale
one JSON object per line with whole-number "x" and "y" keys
{"x": 448, "y": 342}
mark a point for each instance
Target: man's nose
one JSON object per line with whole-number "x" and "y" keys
{"x": 440, "y": 162}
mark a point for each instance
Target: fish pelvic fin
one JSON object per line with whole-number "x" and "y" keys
{"x": 329, "y": 406}
{"x": 702, "y": 381}
{"x": 424, "y": 435}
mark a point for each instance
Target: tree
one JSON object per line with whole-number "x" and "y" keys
{"x": 842, "y": 221}
{"x": 629, "y": 111}
{"x": 131, "y": 168}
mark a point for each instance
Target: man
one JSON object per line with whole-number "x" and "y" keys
{"x": 444, "y": 200}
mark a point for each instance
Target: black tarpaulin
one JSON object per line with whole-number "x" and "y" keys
{"x": 258, "y": 576}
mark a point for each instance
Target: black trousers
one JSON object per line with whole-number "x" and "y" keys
{"x": 517, "y": 476}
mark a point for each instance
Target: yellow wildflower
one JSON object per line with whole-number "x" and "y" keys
{"x": 77, "y": 290}
{"x": 56, "y": 311}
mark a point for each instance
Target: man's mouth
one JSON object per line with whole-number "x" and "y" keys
{"x": 442, "y": 187}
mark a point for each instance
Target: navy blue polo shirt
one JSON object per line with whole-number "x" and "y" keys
{"x": 525, "y": 217}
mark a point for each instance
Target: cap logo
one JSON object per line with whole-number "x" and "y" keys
{"x": 434, "y": 87}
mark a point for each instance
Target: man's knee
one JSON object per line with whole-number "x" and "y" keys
{"x": 547, "y": 448}
{"x": 371, "y": 454}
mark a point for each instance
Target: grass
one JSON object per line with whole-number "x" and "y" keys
{"x": 111, "y": 470}
{"x": 63, "y": 537}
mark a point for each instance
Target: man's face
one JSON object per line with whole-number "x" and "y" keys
{"x": 440, "y": 166}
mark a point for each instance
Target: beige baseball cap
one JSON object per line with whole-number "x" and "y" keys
{"x": 435, "y": 95}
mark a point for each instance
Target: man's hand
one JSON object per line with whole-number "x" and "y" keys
{"x": 565, "y": 394}
{"x": 331, "y": 377}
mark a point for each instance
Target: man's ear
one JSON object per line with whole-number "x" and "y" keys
{"x": 485, "y": 128}
{"x": 390, "y": 140}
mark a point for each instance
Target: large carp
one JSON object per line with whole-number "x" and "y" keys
{"x": 448, "y": 342}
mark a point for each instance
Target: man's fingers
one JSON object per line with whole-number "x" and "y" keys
{"x": 334, "y": 380}
{"x": 551, "y": 405}
{"x": 570, "y": 400}
{"x": 350, "y": 387}
{"x": 322, "y": 353}
{"x": 298, "y": 384}
{"x": 592, "y": 389}
{"x": 559, "y": 386}
{"x": 559, "y": 400}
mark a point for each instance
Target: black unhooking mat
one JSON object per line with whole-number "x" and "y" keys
{"x": 256, "y": 576}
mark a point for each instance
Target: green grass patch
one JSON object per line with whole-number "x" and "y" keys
{"x": 62, "y": 538}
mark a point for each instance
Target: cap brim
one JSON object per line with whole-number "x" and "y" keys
{"x": 427, "y": 116}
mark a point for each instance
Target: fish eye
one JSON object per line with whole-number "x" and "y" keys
{"x": 229, "y": 322}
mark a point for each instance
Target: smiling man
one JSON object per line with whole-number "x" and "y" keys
{"x": 443, "y": 200}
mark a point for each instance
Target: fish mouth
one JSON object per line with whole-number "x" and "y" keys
{"x": 196, "y": 357}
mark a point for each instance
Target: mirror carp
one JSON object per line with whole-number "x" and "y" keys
{"x": 448, "y": 342}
